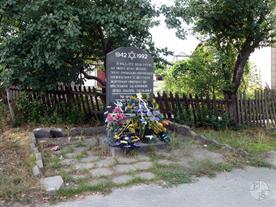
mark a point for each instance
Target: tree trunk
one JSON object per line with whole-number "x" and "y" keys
{"x": 238, "y": 72}
{"x": 9, "y": 100}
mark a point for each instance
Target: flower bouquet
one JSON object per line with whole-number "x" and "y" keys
{"x": 134, "y": 121}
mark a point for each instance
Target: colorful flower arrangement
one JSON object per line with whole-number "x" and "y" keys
{"x": 134, "y": 121}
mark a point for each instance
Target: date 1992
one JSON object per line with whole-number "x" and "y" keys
{"x": 131, "y": 55}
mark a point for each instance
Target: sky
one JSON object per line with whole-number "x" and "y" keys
{"x": 164, "y": 37}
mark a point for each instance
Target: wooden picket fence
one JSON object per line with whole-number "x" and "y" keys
{"x": 87, "y": 100}
{"x": 259, "y": 110}
{"x": 195, "y": 109}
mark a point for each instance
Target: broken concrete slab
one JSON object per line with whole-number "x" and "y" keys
{"x": 52, "y": 184}
{"x": 36, "y": 171}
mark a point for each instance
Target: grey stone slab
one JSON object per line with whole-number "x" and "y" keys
{"x": 52, "y": 184}
{"x": 99, "y": 172}
{"x": 36, "y": 171}
{"x": 41, "y": 133}
{"x": 185, "y": 161}
{"x": 122, "y": 179}
{"x": 33, "y": 139}
{"x": 203, "y": 154}
{"x": 142, "y": 165}
{"x": 124, "y": 168}
{"x": 121, "y": 159}
{"x": 145, "y": 175}
{"x": 105, "y": 162}
{"x": 84, "y": 166}
{"x": 38, "y": 156}
{"x": 79, "y": 150}
{"x": 165, "y": 162}
{"x": 78, "y": 177}
{"x": 91, "y": 141}
{"x": 39, "y": 163}
{"x": 225, "y": 190}
{"x": 68, "y": 161}
{"x": 143, "y": 157}
{"x": 57, "y": 132}
{"x": 98, "y": 181}
{"x": 90, "y": 158}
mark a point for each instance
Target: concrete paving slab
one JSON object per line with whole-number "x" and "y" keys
{"x": 226, "y": 190}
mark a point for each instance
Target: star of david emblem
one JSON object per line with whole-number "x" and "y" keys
{"x": 131, "y": 55}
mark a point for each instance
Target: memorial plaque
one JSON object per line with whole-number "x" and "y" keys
{"x": 129, "y": 71}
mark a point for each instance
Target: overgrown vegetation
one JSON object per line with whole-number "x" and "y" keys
{"x": 206, "y": 119}
{"x": 16, "y": 160}
{"x": 172, "y": 174}
{"x": 208, "y": 72}
{"x": 32, "y": 111}
{"x": 257, "y": 142}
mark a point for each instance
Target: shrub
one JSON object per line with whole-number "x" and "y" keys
{"x": 33, "y": 111}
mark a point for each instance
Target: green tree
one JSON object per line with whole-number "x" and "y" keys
{"x": 46, "y": 42}
{"x": 207, "y": 71}
{"x": 241, "y": 25}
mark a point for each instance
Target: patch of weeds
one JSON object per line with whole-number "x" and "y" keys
{"x": 180, "y": 143}
{"x": 172, "y": 174}
{"x": 253, "y": 140}
{"x": 209, "y": 168}
{"x": 135, "y": 181}
{"x": 83, "y": 187}
{"x": 80, "y": 144}
{"x": 257, "y": 162}
{"x": 81, "y": 155}
{"x": 66, "y": 177}
{"x": 69, "y": 149}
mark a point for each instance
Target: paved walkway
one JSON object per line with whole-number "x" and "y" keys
{"x": 239, "y": 188}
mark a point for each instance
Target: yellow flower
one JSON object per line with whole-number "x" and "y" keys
{"x": 139, "y": 95}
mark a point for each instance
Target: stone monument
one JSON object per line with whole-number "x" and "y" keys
{"x": 129, "y": 71}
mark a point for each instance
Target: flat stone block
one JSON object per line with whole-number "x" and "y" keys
{"x": 36, "y": 171}
{"x": 52, "y": 184}
{"x": 39, "y": 163}
{"x": 38, "y": 156}
{"x": 78, "y": 177}
{"x": 122, "y": 159}
{"x": 57, "y": 132}
{"x": 68, "y": 161}
{"x": 124, "y": 168}
{"x": 98, "y": 181}
{"x": 142, "y": 157}
{"x": 84, "y": 166}
{"x": 145, "y": 175}
{"x": 41, "y": 133}
{"x": 90, "y": 158}
{"x": 165, "y": 162}
{"x": 122, "y": 179}
{"x": 33, "y": 139}
{"x": 99, "y": 172}
{"x": 105, "y": 163}
{"x": 142, "y": 165}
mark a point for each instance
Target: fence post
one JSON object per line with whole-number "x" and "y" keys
{"x": 9, "y": 100}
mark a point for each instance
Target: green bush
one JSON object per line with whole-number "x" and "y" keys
{"x": 205, "y": 119}
{"x": 33, "y": 111}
